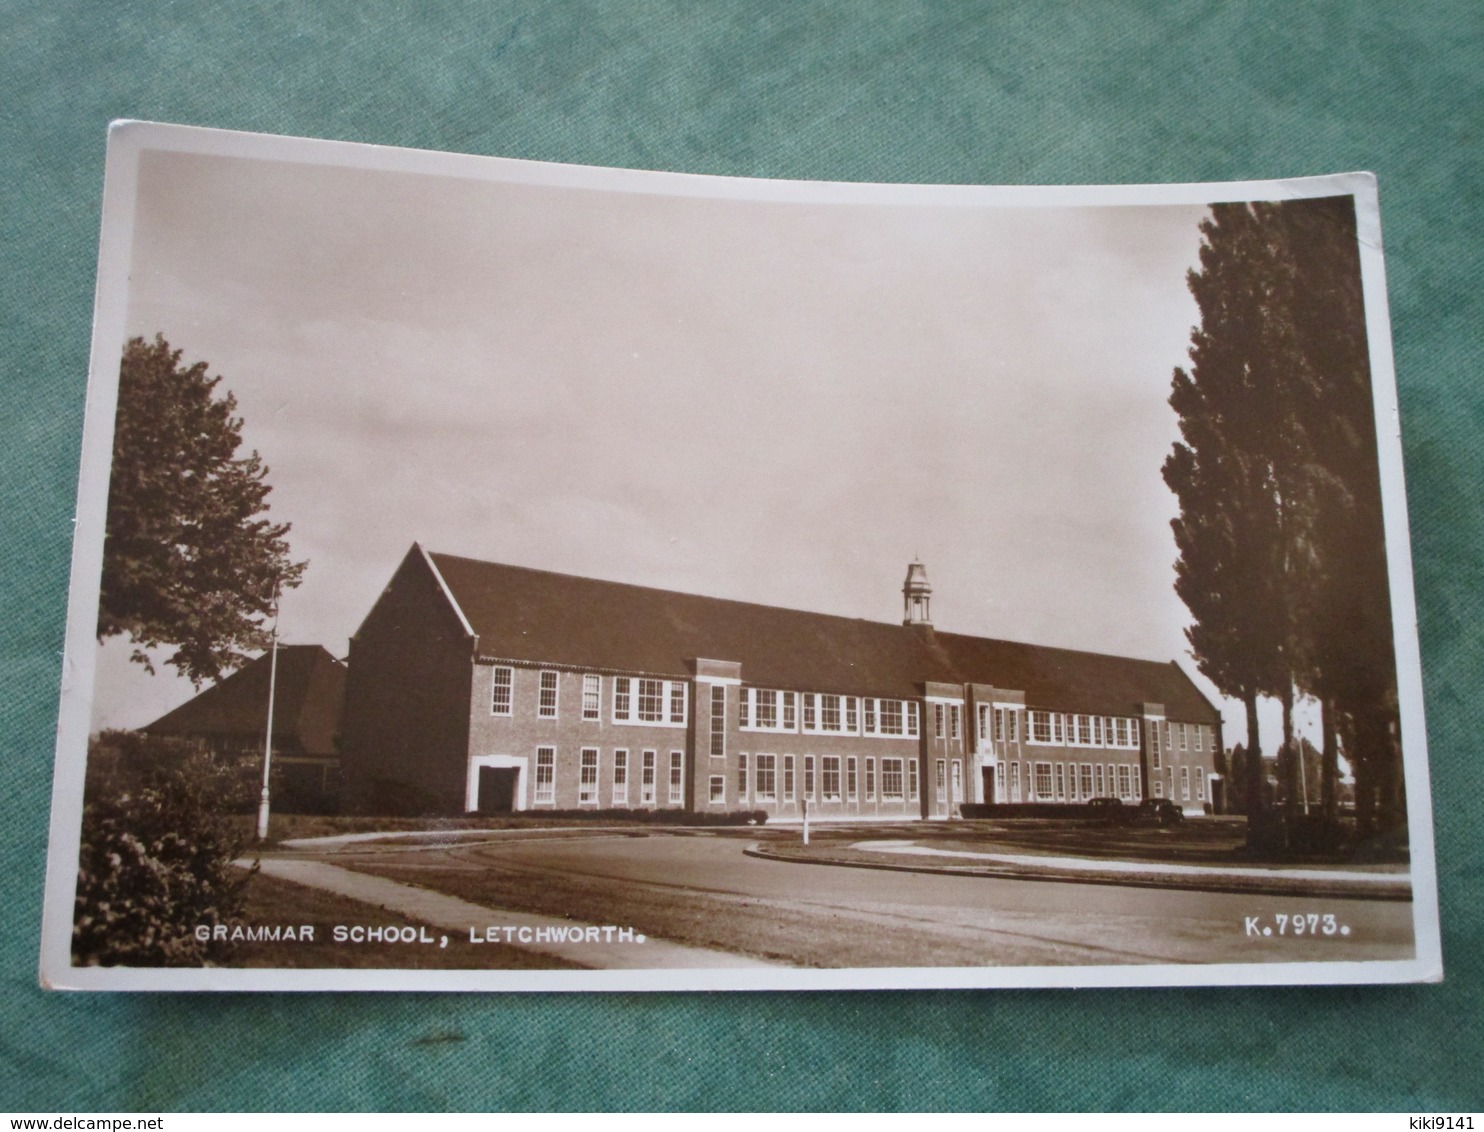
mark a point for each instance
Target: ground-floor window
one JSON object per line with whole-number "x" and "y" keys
{"x": 850, "y": 780}
{"x": 742, "y": 778}
{"x": 1043, "y": 782}
{"x": 999, "y": 782}
{"x": 788, "y": 778}
{"x": 1200, "y": 784}
{"x": 891, "y": 780}
{"x": 912, "y": 779}
{"x": 1014, "y": 782}
{"x": 587, "y": 782}
{"x": 764, "y": 783}
{"x": 620, "y": 778}
{"x": 677, "y": 778}
{"x": 942, "y": 776}
{"x": 1061, "y": 782}
{"x": 1159, "y": 788}
{"x": 718, "y": 789}
{"x": 1184, "y": 784}
{"x": 646, "y": 780}
{"x": 958, "y": 780}
{"x": 1125, "y": 788}
{"x": 545, "y": 774}
{"x": 1097, "y": 780}
{"x": 829, "y": 777}
{"x": 870, "y": 780}
{"x": 809, "y": 777}
{"x": 1087, "y": 782}
{"x": 1138, "y": 782}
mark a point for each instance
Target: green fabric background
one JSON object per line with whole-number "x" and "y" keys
{"x": 1038, "y": 92}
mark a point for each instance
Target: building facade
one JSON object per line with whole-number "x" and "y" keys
{"x": 479, "y": 687}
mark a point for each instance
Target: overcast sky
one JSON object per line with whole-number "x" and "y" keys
{"x": 778, "y": 402}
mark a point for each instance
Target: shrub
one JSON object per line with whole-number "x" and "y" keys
{"x": 158, "y": 842}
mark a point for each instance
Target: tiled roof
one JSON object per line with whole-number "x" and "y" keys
{"x": 307, "y": 702}
{"x": 520, "y": 613}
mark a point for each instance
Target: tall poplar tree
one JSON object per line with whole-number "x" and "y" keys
{"x": 189, "y": 559}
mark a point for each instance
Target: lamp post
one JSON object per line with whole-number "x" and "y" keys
{"x": 263, "y": 801}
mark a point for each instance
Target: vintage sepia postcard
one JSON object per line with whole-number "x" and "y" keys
{"x": 493, "y": 575}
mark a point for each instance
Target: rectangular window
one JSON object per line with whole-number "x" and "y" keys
{"x": 1061, "y": 782}
{"x": 1087, "y": 782}
{"x": 677, "y": 701}
{"x": 1200, "y": 785}
{"x": 829, "y": 778}
{"x": 809, "y": 777}
{"x": 912, "y": 718}
{"x": 788, "y": 778}
{"x": 620, "y": 778}
{"x": 1097, "y": 731}
{"x": 1184, "y": 738}
{"x": 717, "y": 794}
{"x": 1097, "y": 780}
{"x": 999, "y": 724}
{"x": 1013, "y": 719}
{"x": 546, "y": 707}
{"x": 1056, "y": 728}
{"x": 651, "y": 700}
{"x": 742, "y": 778}
{"x": 999, "y": 782}
{"x": 677, "y": 778}
{"x": 942, "y": 776}
{"x": 891, "y": 717}
{"x": 1184, "y": 784}
{"x": 809, "y": 716}
{"x": 744, "y": 698}
{"x": 545, "y": 774}
{"x": 850, "y": 782}
{"x": 1120, "y": 732}
{"x": 718, "y": 721}
{"x": 1154, "y": 747}
{"x": 937, "y": 721}
{"x": 1138, "y": 781}
{"x": 850, "y": 715}
{"x": 764, "y": 708}
{"x": 955, "y": 721}
{"x": 870, "y": 780}
{"x": 621, "y": 697}
{"x": 646, "y": 780}
{"x": 891, "y": 780}
{"x": 912, "y": 779}
{"x": 1125, "y": 786}
{"x": 765, "y": 779}
{"x": 1040, "y": 727}
{"x": 1014, "y": 781}
{"x": 790, "y": 711}
{"x": 958, "y": 781}
{"x": 587, "y": 781}
{"x": 1159, "y": 787}
{"x": 1133, "y": 732}
{"x": 1043, "y": 782}
{"x": 829, "y": 713}
{"x": 1198, "y": 736}
{"x": 500, "y": 697}
{"x": 592, "y": 697}
{"x": 870, "y": 711}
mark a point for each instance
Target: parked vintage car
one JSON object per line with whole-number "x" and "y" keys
{"x": 1108, "y": 809}
{"x": 1157, "y": 811}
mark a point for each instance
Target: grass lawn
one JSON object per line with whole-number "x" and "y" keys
{"x": 273, "y": 901}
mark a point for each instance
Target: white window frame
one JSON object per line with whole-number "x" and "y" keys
{"x": 809, "y": 781}
{"x": 914, "y": 789}
{"x": 620, "y": 776}
{"x": 1200, "y": 784}
{"x": 507, "y": 686}
{"x": 870, "y": 783}
{"x": 543, "y": 709}
{"x": 545, "y": 793}
{"x": 626, "y": 701}
{"x": 892, "y": 768}
{"x": 1097, "y": 781}
{"x": 718, "y": 738}
{"x": 765, "y": 777}
{"x": 677, "y": 778}
{"x": 1086, "y": 782}
{"x": 1184, "y": 784}
{"x": 1038, "y": 775}
{"x": 592, "y": 696}
{"x": 744, "y": 782}
{"x": 716, "y": 790}
{"x": 1125, "y": 782}
{"x": 648, "y": 772}
{"x": 852, "y": 779}
{"x": 788, "y": 778}
{"x": 587, "y": 791}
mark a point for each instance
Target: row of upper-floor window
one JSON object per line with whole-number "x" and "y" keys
{"x": 652, "y": 700}
{"x": 632, "y": 699}
{"x": 823, "y": 713}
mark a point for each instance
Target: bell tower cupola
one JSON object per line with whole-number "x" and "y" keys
{"x": 916, "y": 595}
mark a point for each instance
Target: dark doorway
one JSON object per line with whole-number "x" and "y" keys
{"x": 989, "y": 797}
{"x": 497, "y": 789}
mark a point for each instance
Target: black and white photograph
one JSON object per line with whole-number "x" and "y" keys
{"x": 492, "y": 575}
